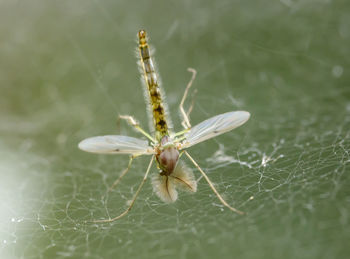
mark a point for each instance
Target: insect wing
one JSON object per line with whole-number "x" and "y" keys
{"x": 214, "y": 126}
{"x": 116, "y": 145}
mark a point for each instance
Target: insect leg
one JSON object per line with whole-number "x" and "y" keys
{"x": 186, "y": 121}
{"x": 212, "y": 186}
{"x": 120, "y": 177}
{"x": 136, "y": 125}
{"x": 133, "y": 199}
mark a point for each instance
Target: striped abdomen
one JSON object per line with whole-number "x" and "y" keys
{"x": 150, "y": 76}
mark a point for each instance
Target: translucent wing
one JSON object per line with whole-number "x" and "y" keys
{"x": 214, "y": 126}
{"x": 116, "y": 145}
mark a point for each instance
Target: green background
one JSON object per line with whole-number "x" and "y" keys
{"x": 68, "y": 68}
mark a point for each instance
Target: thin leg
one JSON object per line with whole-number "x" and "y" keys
{"x": 192, "y": 103}
{"x": 179, "y": 136}
{"x": 119, "y": 178}
{"x": 212, "y": 186}
{"x": 136, "y": 125}
{"x": 180, "y": 132}
{"x": 133, "y": 200}
{"x": 186, "y": 122}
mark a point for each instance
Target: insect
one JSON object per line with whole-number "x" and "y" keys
{"x": 165, "y": 146}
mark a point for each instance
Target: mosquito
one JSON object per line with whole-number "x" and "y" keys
{"x": 165, "y": 146}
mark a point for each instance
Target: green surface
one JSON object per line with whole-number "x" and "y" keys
{"x": 67, "y": 69}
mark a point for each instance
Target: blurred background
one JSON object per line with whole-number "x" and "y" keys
{"x": 68, "y": 69}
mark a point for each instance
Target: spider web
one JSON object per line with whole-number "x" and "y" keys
{"x": 287, "y": 168}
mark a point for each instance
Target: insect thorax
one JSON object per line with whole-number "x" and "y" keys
{"x": 168, "y": 156}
